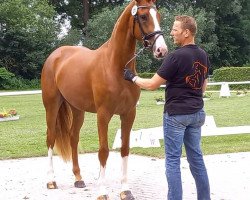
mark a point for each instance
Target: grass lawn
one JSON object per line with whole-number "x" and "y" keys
{"x": 26, "y": 137}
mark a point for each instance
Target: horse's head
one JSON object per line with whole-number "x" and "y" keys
{"x": 146, "y": 27}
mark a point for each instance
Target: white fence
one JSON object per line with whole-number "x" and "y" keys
{"x": 20, "y": 93}
{"x": 225, "y": 91}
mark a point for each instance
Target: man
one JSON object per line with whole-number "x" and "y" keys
{"x": 185, "y": 73}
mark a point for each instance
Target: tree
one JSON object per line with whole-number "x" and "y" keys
{"x": 106, "y": 19}
{"x": 26, "y": 40}
{"x": 80, "y": 11}
{"x": 233, "y": 42}
{"x": 245, "y": 25}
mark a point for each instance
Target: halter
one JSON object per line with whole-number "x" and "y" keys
{"x": 145, "y": 37}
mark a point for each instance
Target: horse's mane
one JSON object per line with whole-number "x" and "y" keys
{"x": 121, "y": 16}
{"x": 118, "y": 22}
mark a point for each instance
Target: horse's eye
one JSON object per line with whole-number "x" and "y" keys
{"x": 143, "y": 18}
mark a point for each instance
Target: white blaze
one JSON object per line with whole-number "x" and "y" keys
{"x": 160, "y": 45}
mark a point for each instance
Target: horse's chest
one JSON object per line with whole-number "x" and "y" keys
{"x": 124, "y": 100}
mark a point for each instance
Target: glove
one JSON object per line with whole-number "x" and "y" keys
{"x": 129, "y": 75}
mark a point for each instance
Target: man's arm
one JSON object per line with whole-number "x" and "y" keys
{"x": 204, "y": 86}
{"x": 146, "y": 83}
{"x": 150, "y": 84}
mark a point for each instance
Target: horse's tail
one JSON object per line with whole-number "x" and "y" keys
{"x": 63, "y": 125}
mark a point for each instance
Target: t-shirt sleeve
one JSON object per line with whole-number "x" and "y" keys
{"x": 168, "y": 68}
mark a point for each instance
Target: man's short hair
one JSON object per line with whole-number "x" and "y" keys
{"x": 187, "y": 22}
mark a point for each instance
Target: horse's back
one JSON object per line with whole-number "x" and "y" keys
{"x": 64, "y": 61}
{"x": 62, "y": 54}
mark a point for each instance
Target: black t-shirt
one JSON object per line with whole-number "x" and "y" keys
{"x": 185, "y": 70}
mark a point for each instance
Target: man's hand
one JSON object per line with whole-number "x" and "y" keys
{"x": 129, "y": 75}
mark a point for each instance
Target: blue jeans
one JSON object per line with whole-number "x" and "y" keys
{"x": 179, "y": 129}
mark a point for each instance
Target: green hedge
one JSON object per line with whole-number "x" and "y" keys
{"x": 233, "y": 74}
{"x": 5, "y": 74}
{"x": 5, "y": 77}
{"x": 8, "y": 81}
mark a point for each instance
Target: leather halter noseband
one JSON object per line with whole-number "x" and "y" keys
{"x": 145, "y": 37}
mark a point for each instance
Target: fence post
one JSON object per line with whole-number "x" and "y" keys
{"x": 225, "y": 91}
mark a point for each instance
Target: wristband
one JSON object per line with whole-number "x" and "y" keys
{"x": 134, "y": 79}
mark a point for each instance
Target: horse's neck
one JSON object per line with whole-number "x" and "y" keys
{"x": 122, "y": 43}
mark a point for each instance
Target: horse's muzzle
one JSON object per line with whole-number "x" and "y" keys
{"x": 160, "y": 48}
{"x": 160, "y": 52}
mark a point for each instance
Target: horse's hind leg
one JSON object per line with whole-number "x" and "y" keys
{"x": 78, "y": 118}
{"x": 127, "y": 121}
{"x": 52, "y": 109}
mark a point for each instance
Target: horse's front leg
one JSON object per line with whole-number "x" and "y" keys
{"x": 127, "y": 121}
{"x": 103, "y": 119}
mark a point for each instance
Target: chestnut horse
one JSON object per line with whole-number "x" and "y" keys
{"x": 76, "y": 80}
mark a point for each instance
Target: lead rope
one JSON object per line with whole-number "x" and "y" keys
{"x": 136, "y": 55}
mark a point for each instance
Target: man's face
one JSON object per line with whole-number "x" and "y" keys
{"x": 178, "y": 34}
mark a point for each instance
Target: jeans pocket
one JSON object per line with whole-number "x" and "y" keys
{"x": 202, "y": 117}
{"x": 179, "y": 120}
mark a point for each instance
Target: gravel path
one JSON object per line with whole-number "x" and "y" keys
{"x": 26, "y": 178}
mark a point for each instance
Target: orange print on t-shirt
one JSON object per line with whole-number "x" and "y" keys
{"x": 195, "y": 81}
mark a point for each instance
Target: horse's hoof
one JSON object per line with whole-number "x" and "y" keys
{"x": 103, "y": 197}
{"x": 126, "y": 195}
{"x": 80, "y": 184}
{"x": 52, "y": 185}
